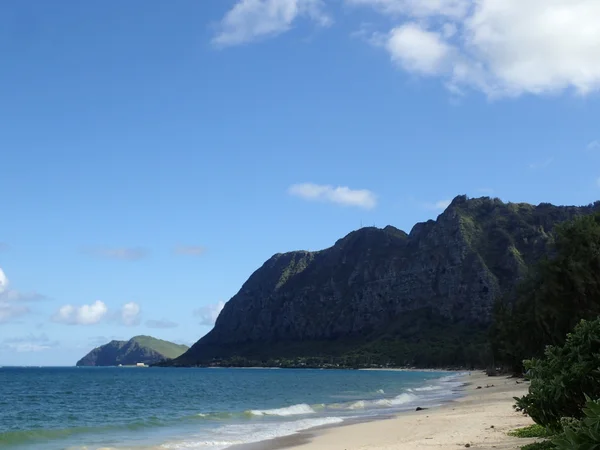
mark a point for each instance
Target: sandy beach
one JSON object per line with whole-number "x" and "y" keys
{"x": 480, "y": 419}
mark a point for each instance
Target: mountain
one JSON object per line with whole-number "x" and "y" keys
{"x": 382, "y": 296}
{"x": 139, "y": 349}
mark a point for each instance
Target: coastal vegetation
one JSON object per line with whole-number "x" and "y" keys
{"x": 550, "y": 331}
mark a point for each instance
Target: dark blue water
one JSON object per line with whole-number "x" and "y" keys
{"x": 156, "y": 408}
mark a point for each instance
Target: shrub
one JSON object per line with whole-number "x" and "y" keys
{"x": 532, "y": 431}
{"x": 543, "y": 445}
{"x": 583, "y": 434}
{"x": 562, "y": 378}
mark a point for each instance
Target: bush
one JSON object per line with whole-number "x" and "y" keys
{"x": 532, "y": 431}
{"x": 543, "y": 445}
{"x": 563, "y": 377}
{"x": 583, "y": 434}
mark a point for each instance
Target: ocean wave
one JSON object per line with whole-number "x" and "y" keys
{"x": 429, "y": 388}
{"x": 358, "y": 405}
{"x": 294, "y": 410}
{"x": 237, "y": 434}
{"x": 402, "y": 399}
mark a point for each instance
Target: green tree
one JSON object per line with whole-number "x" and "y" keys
{"x": 556, "y": 294}
{"x": 561, "y": 380}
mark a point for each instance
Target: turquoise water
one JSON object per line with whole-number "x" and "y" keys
{"x": 158, "y": 408}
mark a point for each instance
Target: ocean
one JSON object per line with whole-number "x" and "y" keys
{"x": 163, "y": 408}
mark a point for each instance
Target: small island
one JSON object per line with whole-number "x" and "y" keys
{"x": 139, "y": 351}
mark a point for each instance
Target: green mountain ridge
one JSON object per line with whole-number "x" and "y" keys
{"x": 382, "y": 296}
{"x": 139, "y": 349}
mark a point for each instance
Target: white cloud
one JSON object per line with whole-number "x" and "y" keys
{"x": 341, "y": 195}
{"x": 163, "y": 323}
{"x": 501, "y": 47}
{"x": 122, "y": 254}
{"x": 438, "y": 206}
{"x": 189, "y": 250}
{"x": 418, "y": 50}
{"x": 250, "y": 20}
{"x": 130, "y": 314}
{"x": 208, "y": 314}
{"x": 81, "y": 315}
{"x": 3, "y": 281}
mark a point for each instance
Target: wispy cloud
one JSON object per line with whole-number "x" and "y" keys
{"x": 121, "y": 254}
{"x": 11, "y": 300}
{"x": 12, "y": 295}
{"x": 454, "y": 9}
{"x": 251, "y": 20}
{"x": 440, "y": 205}
{"x": 189, "y": 250}
{"x": 162, "y": 323}
{"x": 340, "y": 195}
{"x": 541, "y": 164}
{"x": 81, "y": 315}
{"x": 593, "y": 146}
{"x": 10, "y": 311}
{"x": 208, "y": 314}
{"x": 30, "y": 343}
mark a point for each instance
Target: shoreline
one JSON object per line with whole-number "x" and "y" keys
{"x": 480, "y": 417}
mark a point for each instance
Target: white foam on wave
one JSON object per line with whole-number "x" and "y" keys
{"x": 380, "y": 391}
{"x": 452, "y": 377}
{"x": 237, "y": 434}
{"x": 403, "y": 399}
{"x": 429, "y": 388}
{"x": 384, "y": 402}
{"x": 358, "y": 405}
{"x": 294, "y": 410}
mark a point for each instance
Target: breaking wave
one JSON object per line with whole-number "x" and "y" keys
{"x": 294, "y": 410}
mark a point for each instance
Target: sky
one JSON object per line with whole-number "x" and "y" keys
{"x": 154, "y": 154}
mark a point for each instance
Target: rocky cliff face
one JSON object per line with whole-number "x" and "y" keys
{"x": 139, "y": 349}
{"x": 379, "y": 286}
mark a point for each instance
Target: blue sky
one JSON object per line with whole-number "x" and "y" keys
{"x": 153, "y": 155}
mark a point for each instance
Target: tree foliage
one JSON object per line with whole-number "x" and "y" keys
{"x": 561, "y": 290}
{"x": 561, "y": 380}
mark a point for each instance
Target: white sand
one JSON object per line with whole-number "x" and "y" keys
{"x": 468, "y": 420}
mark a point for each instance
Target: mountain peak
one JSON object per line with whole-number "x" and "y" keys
{"x": 380, "y": 292}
